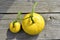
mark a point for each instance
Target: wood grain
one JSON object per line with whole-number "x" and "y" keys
{"x": 51, "y": 30}
{"x": 13, "y": 6}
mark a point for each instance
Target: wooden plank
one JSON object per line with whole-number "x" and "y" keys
{"x": 13, "y": 16}
{"x": 51, "y": 31}
{"x": 13, "y": 6}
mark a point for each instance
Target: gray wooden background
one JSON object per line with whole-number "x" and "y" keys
{"x": 11, "y": 6}
{"x": 49, "y": 9}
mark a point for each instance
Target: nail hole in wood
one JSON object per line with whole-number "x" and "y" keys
{"x": 49, "y": 18}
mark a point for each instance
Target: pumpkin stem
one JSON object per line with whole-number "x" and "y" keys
{"x": 33, "y": 10}
{"x": 18, "y": 18}
{"x": 14, "y": 23}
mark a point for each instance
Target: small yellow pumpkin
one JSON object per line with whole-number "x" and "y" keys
{"x": 15, "y": 27}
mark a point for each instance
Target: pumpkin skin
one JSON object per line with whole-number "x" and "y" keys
{"x": 33, "y": 28}
{"x": 16, "y": 27}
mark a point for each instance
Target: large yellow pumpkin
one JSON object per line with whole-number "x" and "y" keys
{"x": 33, "y": 28}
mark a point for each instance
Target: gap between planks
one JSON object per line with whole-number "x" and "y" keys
{"x": 36, "y": 12}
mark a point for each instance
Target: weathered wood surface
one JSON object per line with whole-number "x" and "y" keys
{"x": 13, "y": 6}
{"x": 51, "y": 31}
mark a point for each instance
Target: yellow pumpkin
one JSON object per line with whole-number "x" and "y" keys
{"x": 15, "y": 28}
{"x": 33, "y": 28}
